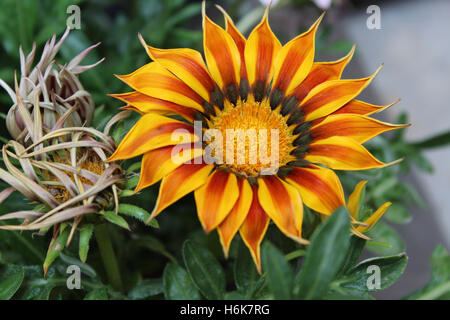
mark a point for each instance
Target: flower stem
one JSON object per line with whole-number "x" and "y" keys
{"x": 108, "y": 256}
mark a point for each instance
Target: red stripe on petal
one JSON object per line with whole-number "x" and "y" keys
{"x": 254, "y": 227}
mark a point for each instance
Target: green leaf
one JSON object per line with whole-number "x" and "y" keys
{"x": 138, "y": 213}
{"x": 391, "y": 268}
{"x": 146, "y": 288}
{"x": 354, "y": 251}
{"x": 86, "y": 232}
{"x": 246, "y": 277}
{"x": 279, "y": 273}
{"x": 385, "y": 234}
{"x": 205, "y": 270}
{"x": 324, "y": 256}
{"x": 398, "y": 213}
{"x": 339, "y": 293}
{"x": 154, "y": 245}
{"x": 84, "y": 268}
{"x": 38, "y": 288}
{"x": 97, "y": 294}
{"x": 132, "y": 182}
{"x": 178, "y": 285}
{"x": 116, "y": 219}
{"x": 10, "y": 281}
{"x": 234, "y": 295}
{"x": 436, "y": 141}
{"x": 55, "y": 249}
{"x": 439, "y": 285}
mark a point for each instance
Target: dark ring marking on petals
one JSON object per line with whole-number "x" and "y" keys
{"x": 288, "y": 105}
{"x": 259, "y": 90}
{"x": 284, "y": 171}
{"x": 295, "y": 117}
{"x": 275, "y": 98}
{"x": 217, "y": 98}
{"x": 300, "y": 151}
{"x": 304, "y": 139}
{"x": 209, "y": 108}
{"x": 298, "y": 163}
{"x": 232, "y": 93}
{"x": 303, "y": 127}
{"x": 243, "y": 89}
{"x": 198, "y": 116}
{"x": 253, "y": 181}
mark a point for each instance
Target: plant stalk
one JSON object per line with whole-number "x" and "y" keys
{"x": 108, "y": 256}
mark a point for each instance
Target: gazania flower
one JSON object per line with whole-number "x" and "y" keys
{"x": 258, "y": 85}
{"x": 354, "y": 206}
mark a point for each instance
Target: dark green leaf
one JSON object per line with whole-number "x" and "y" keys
{"x": 86, "y": 232}
{"x": 138, "y": 213}
{"x": 155, "y": 245}
{"x": 146, "y": 288}
{"x": 324, "y": 256}
{"x": 398, "y": 213}
{"x": 10, "y": 281}
{"x": 391, "y": 268}
{"x": 246, "y": 276}
{"x": 84, "y": 268}
{"x": 354, "y": 251}
{"x": 439, "y": 285}
{"x": 436, "y": 141}
{"x": 385, "y": 234}
{"x": 178, "y": 284}
{"x": 116, "y": 219}
{"x": 38, "y": 288}
{"x": 279, "y": 273}
{"x": 55, "y": 249}
{"x": 97, "y": 294}
{"x": 204, "y": 269}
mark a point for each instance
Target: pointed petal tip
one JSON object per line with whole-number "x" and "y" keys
{"x": 393, "y": 163}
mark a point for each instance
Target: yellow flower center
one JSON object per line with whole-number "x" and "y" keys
{"x": 256, "y": 139}
{"x": 92, "y": 163}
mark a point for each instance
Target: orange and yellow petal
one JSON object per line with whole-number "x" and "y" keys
{"x": 180, "y": 182}
{"x": 186, "y": 64}
{"x": 216, "y": 198}
{"x": 294, "y": 60}
{"x": 319, "y": 188}
{"x": 331, "y": 95}
{"x": 358, "y": 127}
{"x": 342, "y": 153}
{"x": 143, "y": 104}
{"x": 321, "y": 72}
{"x": 231, "y": 224}
{"x": 261, "y": 49}
{"x": 254, "y": 227}
{"x": 153, "y": 131}
{"x": 157, "y": 164}
{"x": 222, "y": 56}
{"x": 373, "y": 219}
{"x": 238, "y": 38}
{"x": 362, "y": 108}
{"x": 283, "y": 205}
{"x": 354, "y": 199}
{"x": 156, "y": 81}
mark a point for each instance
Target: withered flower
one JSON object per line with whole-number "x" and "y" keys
{"x": 55, "y": 88}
